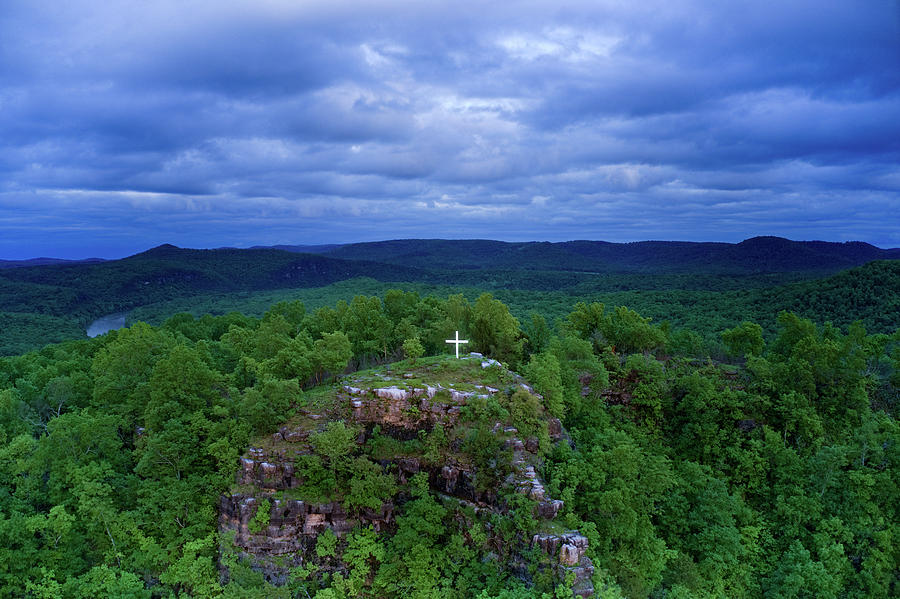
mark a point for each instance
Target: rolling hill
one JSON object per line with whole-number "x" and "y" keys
{"x": 755, "y": 255}
{"x": 681, "y": 281}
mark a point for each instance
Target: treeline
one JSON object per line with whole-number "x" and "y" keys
{"x": 86, "y": 291}
{"x": 660, "y": 283}
{"x": 774, "y": 476}
{"x": 695, "y": 317}
{"x": 755, "y": 255}
{"x": 23, "y": 332}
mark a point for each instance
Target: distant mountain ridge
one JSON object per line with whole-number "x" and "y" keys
{"x": 56, "y": 300}
{"x": 167, "y": 272}
{"x": 300, "y": 249}
{"x": 91, "y": 289}
{"x": 754, "y": 255}
{"x": 43, "y": 261}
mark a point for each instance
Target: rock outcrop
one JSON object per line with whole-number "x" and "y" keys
{"x": 400, "y": 407}
{"x": 293, "y": 528}
{"x": 569, "y": 550}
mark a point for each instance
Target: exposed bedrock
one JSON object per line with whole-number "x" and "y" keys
{"x": 287, "y": 535}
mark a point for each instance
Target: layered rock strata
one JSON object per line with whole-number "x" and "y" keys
{"x": 569, "y": 551}
{"x": 401, "y": 411}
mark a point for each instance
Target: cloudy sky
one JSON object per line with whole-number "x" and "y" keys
{"x": 128, "y": 124}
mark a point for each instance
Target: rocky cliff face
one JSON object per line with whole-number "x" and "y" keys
{"x": 399, "y": 407}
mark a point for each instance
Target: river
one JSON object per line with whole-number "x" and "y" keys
{"x": 107, "y": 323}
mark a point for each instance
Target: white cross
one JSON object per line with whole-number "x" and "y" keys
{"x": 457, "y": 341}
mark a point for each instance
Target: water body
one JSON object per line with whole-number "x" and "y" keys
{"x": 107, "y": 323}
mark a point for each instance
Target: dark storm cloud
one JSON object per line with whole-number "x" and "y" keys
{"x": 236, "y": 123}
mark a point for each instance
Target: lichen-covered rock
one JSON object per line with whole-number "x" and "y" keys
{"x": 295, "y": 436}
{"x": 568, "y": 555}
{"x": 402, "y": 411}
{"x": 293, "y": 524}
{"x": 554, "y": 428}
{"x": 548, "y": 510}
{"x": 398, "y": 408}
{"x": 270, "y": 472}
{"x": 570, "y": 552}
{"x": 392, "y": 393}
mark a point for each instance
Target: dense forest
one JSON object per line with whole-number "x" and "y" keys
{"x": 695, "y": 316}
{"x": 755, "y": 255}
{"x": 702, "y": 287}
{"x": 770, "y": 471}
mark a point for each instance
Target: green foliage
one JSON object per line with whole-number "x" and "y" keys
{"x": 326, "y": 543}
{"x": 579, "y": 367}
{"x": 615, "y": 484}
{"x": 415, "y": 554}
{"x": 413, "y": 349}
{"x": 369, "y": 486}
{"x": 105, "y": 581}
{"x": 268, "y": 402}
{"x": 623, "y": 330}
{"x": 335, "y": 442}
{"x": 194, "y": 571}
{"x": 700, "y": 520}
{"x": 537, "y": 332}
{"x": 628, "y": 331}
{"x": 644, "y": 380}
{"x": 484, "y": 448}
{"x": 774, "y": 477}
{"x": 525, "y": 413}
{"x": 435, "y": 443}
{"x": 495, "y": 331}
{"x": 744, "y": 340}
{"x": 799, "y": 575}
{"x": 319, "y": 482}
{"x": 27, "y": 331}
{"x": 543, "y": 370}
{"x": 333, "y": 352}
{"x": 365, "y": 551}
{"x": 260, "y": 520}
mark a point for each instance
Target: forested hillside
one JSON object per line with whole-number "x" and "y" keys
{"x": 773, "y": 474}
{"x": 695, "y": 316}
{"x": 168, "y": 272}
{"x": 704, "y": 287}
{"x": 756, "y": 255}
{"x": 42, "y": 261}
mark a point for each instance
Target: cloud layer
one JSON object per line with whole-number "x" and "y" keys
{"x": 204, "y": 124}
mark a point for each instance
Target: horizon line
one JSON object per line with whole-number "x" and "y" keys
{"x": 277, "y": 246}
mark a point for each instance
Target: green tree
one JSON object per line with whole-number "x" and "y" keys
{"x": 365, "y": 550}
{"x": 293, "y": 312}
{"x": 415, "y": 556}
{"x": 586, "y": 322}
{"x": 744, "y": 340}
{"x": 106, "y": 581}
{"x": 798, "y": 575}
{"x": 335, "y": 442}
{"x": 195, "y": 571}
{"x": 333, "y": 352}
{"x": 369, "y": 486}
{"x": 260, "y": 520}
{"x": 367, "y": 327}
{"x": 326, "y": 543}
{"x": 495, "y": 331}
{"x": 537, "y": 333}
{"x": 295, "y": 360}
{"x": 543, "y": 371}
{"x": 413, "y": 349}
{"x": 628, "y": 331}
{"x": 123, "y": 367}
